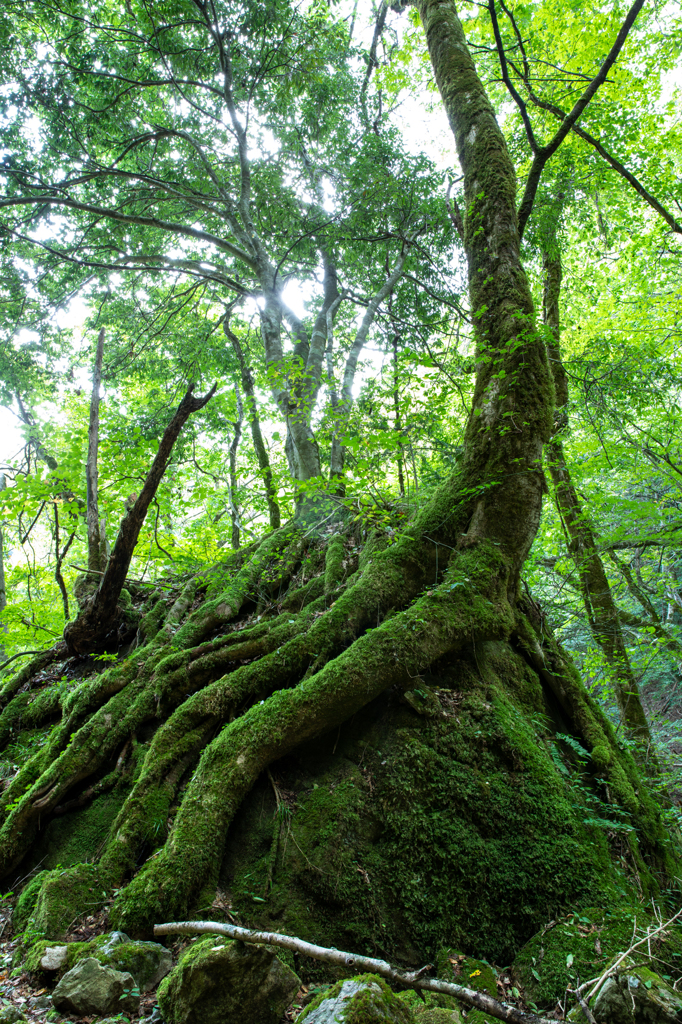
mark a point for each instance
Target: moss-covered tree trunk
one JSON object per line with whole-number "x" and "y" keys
{"x": 600, "y": 606}
{"x": 212, "y": 706}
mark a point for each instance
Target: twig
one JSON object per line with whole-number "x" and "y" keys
{"x": 611, "y": 970}
{"x": 129, "y": 579}
{"x": 411, "y": 979}
{"x": 583, "y": 1005}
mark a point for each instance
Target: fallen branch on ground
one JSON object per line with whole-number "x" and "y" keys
{"x": 411, "y": 979}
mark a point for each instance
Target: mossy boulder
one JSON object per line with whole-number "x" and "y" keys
{"x": 148, "y": 962}
{"x": 366, "y": 999}
{"x": 88, "y": 988}
{"x": 637, "y": 996}
{"x": 219, "y": 982}
{"x": 581, "y": 944}
{"x": 10, "y": 1014}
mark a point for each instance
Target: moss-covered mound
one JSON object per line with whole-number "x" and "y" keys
{"x": 365, "y": 999}
{"x": 447, "y": 816}
{"x": 582, "y": 944}
{"x": 404, "y": 832}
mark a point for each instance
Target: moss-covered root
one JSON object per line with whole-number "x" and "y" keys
{"x": 218, "y": 610}
{"x": 89, "y": 749}
{"x": 16, "y": 682}
{"x": 333, "y": 566}
{"x": 29, "y": 710}
{"x": 395, "y": 652}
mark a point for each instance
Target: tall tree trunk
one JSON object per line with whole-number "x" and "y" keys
{"x": 602, "y": 612}
{"x": 254, "y": 423}
{"x": 3, "y": 587}
{"x": 97, "y": 554}
{"x": 514, "y": 395}
{"x": 397, "y": 424}
{"x": 97, "y": 620}
{"x": 234, "y": 509}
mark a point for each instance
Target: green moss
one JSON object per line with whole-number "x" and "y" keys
{"x": 63, "y": 896}
{"x": 80, "y": 835}
{"x": 375, "y": 1003}
{"x": 334, "y": 572}
{"x": 581, "y": 943}
{"x": 436, "y": 1015}
{"x": 27, "y": 902}
{"x": 419, "y": 1001}
{"x": 464, "y": 827}
{"x": 465, "y": 970}
{"x": 35, "y": 954}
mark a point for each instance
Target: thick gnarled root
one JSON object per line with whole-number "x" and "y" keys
{"x": 395, "y": 652}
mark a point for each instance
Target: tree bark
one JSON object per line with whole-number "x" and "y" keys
{"x": 98, "y": 619}
{"x": 514, "y": 395}
{"x": 602, "y": 612}
{"x": 97, "y": 553}
{"x": 254, "y": 423}
{"x": 234, "y": 446}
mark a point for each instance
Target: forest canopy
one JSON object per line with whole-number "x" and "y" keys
{"x": 340, "y": 367}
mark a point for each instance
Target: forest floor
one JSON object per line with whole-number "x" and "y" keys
{"x": 19, "y": 989}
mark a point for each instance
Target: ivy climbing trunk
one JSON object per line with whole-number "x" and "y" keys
{"x": 600, "y": 606}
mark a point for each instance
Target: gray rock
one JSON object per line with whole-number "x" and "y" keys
{"x": 148, "y": 962}
{"x": 378, "y": 1003}
{"x": 40, "y": 1002}
{"x": 10, "y": 1014}
{"x": 54, "y": 958}
{"x": 638, "y": 997}
{"x": 114, "y": 939}
{"x": 89, "y": 988}
{"x": 222, "y": 982}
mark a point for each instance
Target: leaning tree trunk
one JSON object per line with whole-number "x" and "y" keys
{"x": 602, "y": 612}
{"x": 97, "y": 620}
{"x": 223, "y": 704}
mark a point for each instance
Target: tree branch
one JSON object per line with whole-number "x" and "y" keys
{"x": 542, "y": 155}
{"x": 411, "y": 979}
{"x": 125, "y": 218}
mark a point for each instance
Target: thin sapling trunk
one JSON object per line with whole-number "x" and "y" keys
{"x": 254, "y": 424}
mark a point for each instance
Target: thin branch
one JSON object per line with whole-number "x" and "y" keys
{"x": 411, "y": 979}
{"x": 523, "y": 110}
{"x": 542, "y": 155}
{"x": 124, "y": 218}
